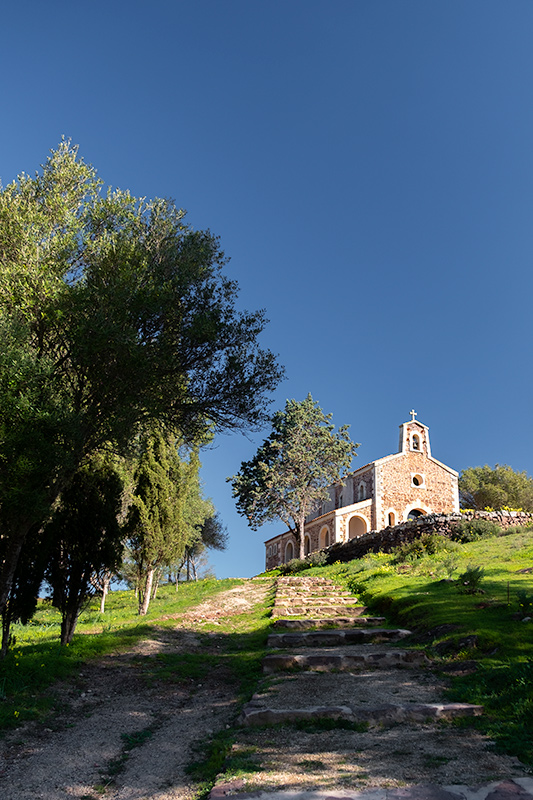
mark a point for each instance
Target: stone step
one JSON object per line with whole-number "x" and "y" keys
{"x": 319, "y": 589}
{"x": 300, "y": 610}
{"x": 384, "y": 714}
{"x": 318, "y": 597}
{"x": 332, "y": 638}
{"x": 343, "y": 662}
{"x": 334, "y": 622}
{"x": 301, "y": 580}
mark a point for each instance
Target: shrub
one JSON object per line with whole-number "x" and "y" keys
{"x": 470, "y": 530}
{"x": 449, "y": 564}
{"x": 469, "y": 581}
{"x": 317, "y": 559}
{"x": 296, "y": 565}
{"x": 525, "y": 601}
{"x": 425, "y": 545}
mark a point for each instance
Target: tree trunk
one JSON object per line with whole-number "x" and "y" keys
{"x": 6, "y": 623}
{"x": 68, "y": 625}
{"x": 11, "y": 559}
{"x": 143, "y": 605}
{"x": 302, "y": 536}
{"x": 7, "y": 575}
{"x": 105, "y": 589}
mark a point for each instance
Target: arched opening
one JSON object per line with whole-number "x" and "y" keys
{"x": 391, "y": 518}
{"x": 289, "y": 552}
{"x": 362, "y": 491}
{"x": 323, "y": 539}
{"x": 415, "y": 513}
{"x": 307, "y": 545}
{"x": 356, "y": 527}
{"x": 415, "y": 442}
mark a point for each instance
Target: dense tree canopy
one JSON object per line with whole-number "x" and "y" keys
{"x": 113, "y": 311}
{"x": 290, "y": 474}
{"x": 497, "y": 488}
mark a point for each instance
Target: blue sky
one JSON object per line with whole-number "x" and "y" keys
{"x": 368, "y": 166}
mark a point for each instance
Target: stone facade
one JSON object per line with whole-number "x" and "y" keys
{"x": 391, "y": 490}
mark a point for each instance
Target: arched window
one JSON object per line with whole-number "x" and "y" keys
{"x": 391, "y": 519}
{"x": 289, "y": 552}
{"x": 307, "y": 545}
{"x": 415, "y": 442}
{"x": 362, "y": 491}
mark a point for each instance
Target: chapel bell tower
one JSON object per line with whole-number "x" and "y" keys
{"x": 414, "y": 437}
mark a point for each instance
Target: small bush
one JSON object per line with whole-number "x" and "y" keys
{"x": 317, "y": 559}
{"x": 296, "y": 565}
{"x": 468, "y": 582}
{"x": 425, "y": 545}
{"x": 525, "y": 601}
{"x": 449, "y": 564}
{"x": 470, "y": 530}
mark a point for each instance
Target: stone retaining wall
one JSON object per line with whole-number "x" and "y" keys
{"x": 389, "y": 538}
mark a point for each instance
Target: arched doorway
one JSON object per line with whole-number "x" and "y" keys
{"x": 289, "y": 552}
{"x": 356, "y": 527}
{"x": 415, "y": 513}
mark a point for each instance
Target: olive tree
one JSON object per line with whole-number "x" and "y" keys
{"x": 496, "y": 487}
{"x": 291, "y": 472}
{"x": 113, "y": 312}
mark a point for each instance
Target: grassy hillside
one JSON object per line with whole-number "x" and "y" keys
{"x": 461, "y": 622}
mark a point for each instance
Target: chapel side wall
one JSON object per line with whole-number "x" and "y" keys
{"x": 437, "y": 494}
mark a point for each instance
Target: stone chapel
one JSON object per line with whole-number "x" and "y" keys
{"x": 393, "y": 489}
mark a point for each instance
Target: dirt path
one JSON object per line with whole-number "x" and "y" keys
{"x": 120, "y": 737}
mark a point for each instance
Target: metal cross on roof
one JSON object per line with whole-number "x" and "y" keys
{"x": 413, "y": 415}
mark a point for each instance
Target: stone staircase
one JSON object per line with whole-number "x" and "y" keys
{"x": 333, "y": 662}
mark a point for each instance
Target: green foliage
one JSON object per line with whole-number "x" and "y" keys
{"x": 168, "y": 512}
{"x": 468, "y": 582}
{"x": 113, "y": 312}
{"x": 291, "y": 472}
{"x": 296, "y": 565}
{"x": 496, "y": 488}
{"x": 426, "y": 544}
{"x": 470, "y": 530}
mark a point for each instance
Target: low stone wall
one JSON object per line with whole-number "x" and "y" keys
{"x": 389, "y": 538}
